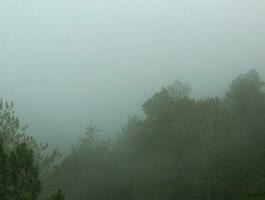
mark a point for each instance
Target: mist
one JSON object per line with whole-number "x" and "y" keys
{"x": 128, "y": 66}
{"x": 65, "y": 63}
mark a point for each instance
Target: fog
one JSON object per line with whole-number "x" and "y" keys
{"x": 66, "y": 62}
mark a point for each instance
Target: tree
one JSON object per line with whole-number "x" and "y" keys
{"x": 163, "y": 100}
{"x": 183, "y": 149}
{"x": 12, "y": 133}
{"x": 246, "y": 98}
{"x": 19, "y": 174}
{"x": 90, "y": 171}
{"x": 3, "y": 172}
{"x": 246, "y": 101}
{"x": 24, "y": 173}
{"x": 21, "y": 159}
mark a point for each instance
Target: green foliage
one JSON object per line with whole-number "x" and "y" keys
{"x": 89, "y": 168}
{"x": 3, "y": 172}
{"x": 188, "y": 149}
{"x": 24, "y": 174}
{"x": 19, "y": 175}
{"x": 164, "y": 99}
{"x": 12, "y": 132}
{"x": 182, "y": 149}
{"x": 246, "y": 101}
{"x": 246, "y": 97}
{"x": 21, "y": 159}
{"x": 182, "y": 152}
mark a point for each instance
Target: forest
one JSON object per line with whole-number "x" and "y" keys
{"x": 183, "y": 148}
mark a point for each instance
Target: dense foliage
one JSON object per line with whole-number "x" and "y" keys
{"x": 183, "y": 149}
{"x": 22, "y": 160}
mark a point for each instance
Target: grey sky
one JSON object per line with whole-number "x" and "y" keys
{"x": 65, "y": 62}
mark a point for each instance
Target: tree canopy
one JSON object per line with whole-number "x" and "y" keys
{"x": 183, "y": 148}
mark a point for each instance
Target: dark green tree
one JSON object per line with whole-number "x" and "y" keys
{"x": 3, "y": 172}
{"x": 19, "y": 174}
{"x": 90, "y": 171}
{"x": 23, "y": 175}
{"x": 21, "y": 159}
{"x": 245, "y": 99}
{"x": 182, "y": 149}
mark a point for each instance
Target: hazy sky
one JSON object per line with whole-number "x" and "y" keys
{"x": 65, "y": 62}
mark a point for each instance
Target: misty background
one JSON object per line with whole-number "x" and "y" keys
{"x": 66, "y": 62}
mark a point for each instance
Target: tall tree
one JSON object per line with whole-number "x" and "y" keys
{"x": 21, "y": 159}
{"x": 12, "y": 133}
{"x": 246, "y": 101}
